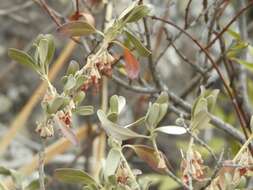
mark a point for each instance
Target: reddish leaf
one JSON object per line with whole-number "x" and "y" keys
{"x": 132, "y": 65}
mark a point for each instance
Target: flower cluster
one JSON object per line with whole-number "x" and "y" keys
{"x": 192, "y": 167}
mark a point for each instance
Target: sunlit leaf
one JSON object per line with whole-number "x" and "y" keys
{"x": 171, "y": 130}
{"x": 74, "y": 176}
{"x": 131, "y": 64}
{"x": 77, "y": 28}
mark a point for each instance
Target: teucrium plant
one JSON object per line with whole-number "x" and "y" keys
{"x": 59, "y": 107}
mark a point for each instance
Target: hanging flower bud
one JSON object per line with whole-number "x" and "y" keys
{"x": 45, "y": 129}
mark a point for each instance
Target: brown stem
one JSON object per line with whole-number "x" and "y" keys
{"x": 234, "y": 102}
{"x": 229, "y": 24}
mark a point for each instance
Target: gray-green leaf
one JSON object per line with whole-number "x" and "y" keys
{"x": 141, "y": 49}
{"x": 84, "y": 110}
{"x": 77, "y": 28}
{"x": 112, "y": 162}
{"x": 118, "y": 132}
{"x": 74, "y": 176}
{"x": 22, "y": 57}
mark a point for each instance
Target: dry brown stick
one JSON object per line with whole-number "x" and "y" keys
{"x": 25, "y": 112}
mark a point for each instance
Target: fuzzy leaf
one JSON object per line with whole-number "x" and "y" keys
{"x": 46, "y": 49}
{"x": 131, "y": 64}
{"x": 112, "y": 162}
{"x": 22, "y": 57}
{"x": 116, "y": 131}
{"x": 84, "y": 110}
{"x": 74, "y": 176}
{"x": 141, "y": 49}
{"x": 137, "y": 13}
{"x": 77, "y": 28}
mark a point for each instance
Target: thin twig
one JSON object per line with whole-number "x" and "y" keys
{"x": 186, "y": 14}
{"x": 41, "y": 165}
{"x": 234, "y": 102}
{"x": 216, "y": 170}
{"x": 229, "y": 24}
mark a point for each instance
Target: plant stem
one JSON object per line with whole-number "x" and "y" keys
{"x": 41, "y": 166}
{"x": 243, "y": 147}
{"x": 132, "y": 176}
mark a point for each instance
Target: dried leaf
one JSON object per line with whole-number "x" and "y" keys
{"x": 156, "y": 161}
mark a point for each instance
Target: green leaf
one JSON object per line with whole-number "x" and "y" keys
{"x": 71, "y": 82}
{"x": 153, "y": 115}
{"x": 171, "y": 130}
{"x": 117, "y": 103}
{"x": 118, "y": 132}
{"x": 246, "y": 64}
{"x": 56, "y": 104}
{"x": 46, "y": 49}
{"x": 137, "y": 13}
{"x": 112, "y": 162}
{"x": 74, "y": 176}
{"x": 234, "y": 34}
{"x": 77, "y": 28}
{"x": 141, "y": 49}
{"x": 163, "y": 101}
{"x": 16, "y": 176}
{"x": 79, "y": 97}
{"x": 84, "y": 110}
{"x": 22, "y": 57}
{"x": 73, "y": 67}
{"x": 200, "y": 120}
{"x": 35, "y": 184}
{"x": 136, "y": 123}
